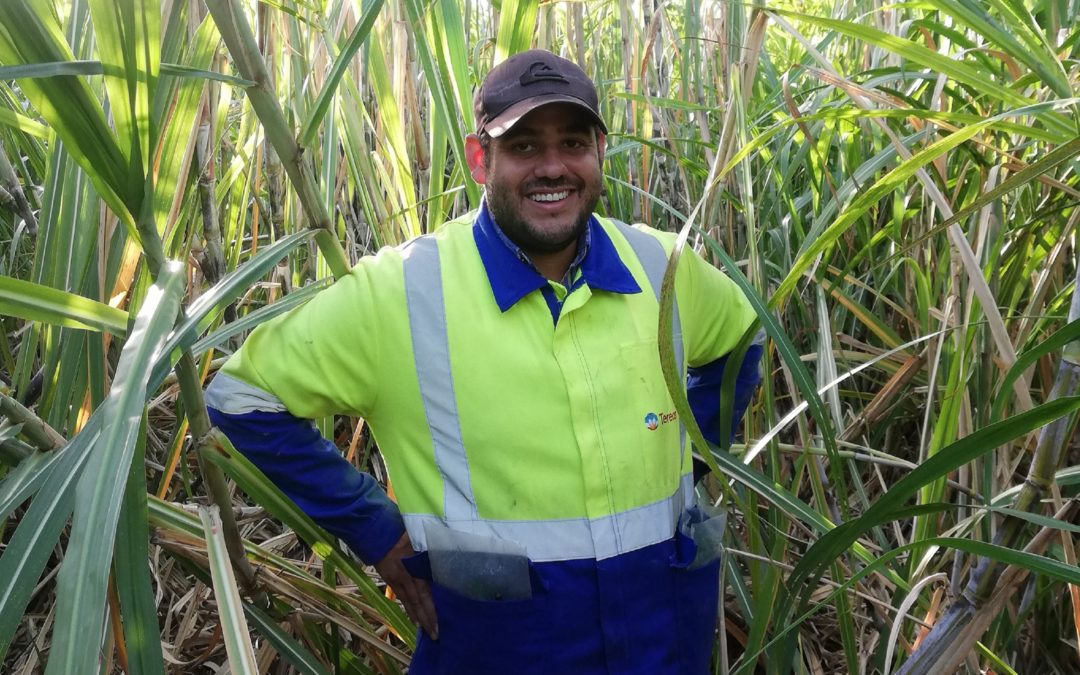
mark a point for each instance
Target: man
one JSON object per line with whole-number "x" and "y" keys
{"x": 508, "y": 366}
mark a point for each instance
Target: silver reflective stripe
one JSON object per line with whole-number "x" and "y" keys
{"x": 654, "y": 260}
{"x": 431, "y": 352}
{"x": 575, "y": 538}
{"x": 235, "y": 397}
{"x": 686, "y": 490}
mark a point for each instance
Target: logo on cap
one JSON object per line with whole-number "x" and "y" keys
{"x": 538, "y": 71}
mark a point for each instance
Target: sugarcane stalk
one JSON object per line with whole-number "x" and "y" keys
{"x": 41, "y": 435}
{"x": 213, "y": 259}
{"x": 235, "y": 30}
{"x": 273, "y": 171}
{"x": 954, "y": 635}
{"x": 10, "y": 183}
{"x": 187, "y": 374}
{"x": 275, "y": 191}
{"x": 13, "y": 451}
{"x": 199, "y": 422}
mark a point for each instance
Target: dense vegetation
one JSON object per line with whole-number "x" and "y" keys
{"x": 894, "y": 184}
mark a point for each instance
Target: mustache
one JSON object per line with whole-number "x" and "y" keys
{"x": 551, "y": 184}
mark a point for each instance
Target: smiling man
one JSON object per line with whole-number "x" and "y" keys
{"x": 509, "y": 369}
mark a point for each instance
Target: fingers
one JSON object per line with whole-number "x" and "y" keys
{"x": 425, "y": 608}
{"x": 415, "y": 595}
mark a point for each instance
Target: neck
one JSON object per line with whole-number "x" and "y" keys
{"x": 554, "y": 265}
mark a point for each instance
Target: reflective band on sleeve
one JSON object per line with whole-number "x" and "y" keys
{"x": 575, "y": 538}
{"x": 431, "y": 352}
{"x": 236, "y": 397}
{"x": 654, "y": 260}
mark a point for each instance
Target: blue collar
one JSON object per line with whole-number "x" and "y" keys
{"x": 512, "y": 278}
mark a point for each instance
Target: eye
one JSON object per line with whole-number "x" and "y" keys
{"x": 522, "y": 147}
{"x": 576, "y": 143}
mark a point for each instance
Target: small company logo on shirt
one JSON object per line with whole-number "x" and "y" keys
{"x": 653, "y": 420}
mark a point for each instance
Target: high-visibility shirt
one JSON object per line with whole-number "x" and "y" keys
{"x": 536, "y": 456}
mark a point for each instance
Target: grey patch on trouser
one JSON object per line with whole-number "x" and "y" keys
{"x": 476, "y": 566}
{"x": 705, "y": 525}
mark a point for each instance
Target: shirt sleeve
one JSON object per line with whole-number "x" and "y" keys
{"x": 715, "y": 314}
{"x": 713, "y": 310}
{"x": 317, "y": 360}
{"x": 309, "y": 470}
{"x": 703, "y": 389}
{"x": 323, "y": 358}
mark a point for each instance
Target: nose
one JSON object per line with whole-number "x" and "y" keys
{"x": 550, "y": 163}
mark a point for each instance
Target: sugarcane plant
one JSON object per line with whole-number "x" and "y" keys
{"x": 893, "y": 186}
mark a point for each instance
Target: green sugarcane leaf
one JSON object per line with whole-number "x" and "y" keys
{"x": 393, "y": 136}
{"x": 190, "y": 72}
{"x": 134, "y": 584}
{"x": 979, "y": 443}
{"x": 234, "y": 628}
{"x": 24, "y": 124}
{"x": 960, "y": 71}
{"x": 88, "y": 68}
{"x": 83, "y": 578}
{"x": 517, "y": 27}
{"x": 177, "y": 141}
{"x": 1020, "y": 40}
{"x": 128, "y": 36}
{"x": 1037, "y": 564}
{"x": 51, "y": 69}
{"x": 1062, "y": 154}
{"x": 449, "y": 110}
{"x": 1038, "y": 519}
{"x": 36, "y": 302}
{"x": 287, "y": 647}
{"x": 1051, "y": 345}
{"x": 39, "y": 530}
{"x": 24, "y": 480}
{"x": 869, "y": 197}
{"x": 29, "y": 35}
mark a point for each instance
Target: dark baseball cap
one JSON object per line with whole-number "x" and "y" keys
{"x": 527, "y": 81}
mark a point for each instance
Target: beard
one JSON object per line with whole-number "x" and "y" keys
{"x": 549, "y": 235}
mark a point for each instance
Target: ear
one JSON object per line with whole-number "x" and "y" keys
{"x": 601, "y": 143}
{"x": 474, "y": 157}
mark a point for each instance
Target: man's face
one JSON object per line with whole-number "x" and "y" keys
{"x": 542, "y": 177}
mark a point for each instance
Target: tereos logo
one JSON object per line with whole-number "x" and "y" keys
{"x": 653, "y": 421}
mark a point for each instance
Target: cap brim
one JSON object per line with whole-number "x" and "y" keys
{"x": 503, "y": 122}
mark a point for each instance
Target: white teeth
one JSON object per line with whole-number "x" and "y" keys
{"x": 553, "y": 197}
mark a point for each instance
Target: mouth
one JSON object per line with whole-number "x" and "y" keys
{"x": 549, "y": 197}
